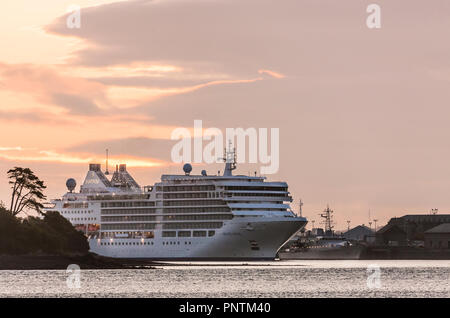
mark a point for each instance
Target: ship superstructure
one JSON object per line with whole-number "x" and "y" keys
{"x": 183, "y": 216}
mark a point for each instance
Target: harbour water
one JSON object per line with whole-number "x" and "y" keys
{"x": 404, "y": 278}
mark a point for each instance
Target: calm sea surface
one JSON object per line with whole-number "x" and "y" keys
{"x": 252, "y": 279}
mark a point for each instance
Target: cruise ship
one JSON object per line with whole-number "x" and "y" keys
{"x": 183, "y": 217}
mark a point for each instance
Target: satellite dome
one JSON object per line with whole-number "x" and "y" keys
{"x": 71, "y": 184}
{"x": 187, "y": 168}
{"x": 204, "y": 173}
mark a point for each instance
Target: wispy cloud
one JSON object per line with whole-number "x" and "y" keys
{"x": 271, "y": 73}
{"x": 19, "y": 154}
{"x": 51, "y": 88}
{"x": 11, "y": 148}
{"x": 54, "y": 87}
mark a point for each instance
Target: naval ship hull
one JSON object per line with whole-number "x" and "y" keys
{"x": 324, "y": 253}
{"x": 243, "y": 238}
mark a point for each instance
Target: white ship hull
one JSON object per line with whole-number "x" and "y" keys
{"x": 243, "y": 238}
{"x": 183, "y": 217}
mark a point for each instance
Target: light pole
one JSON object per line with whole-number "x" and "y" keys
{"x": 375, "y": 221}
{"x": 348, "y": 225}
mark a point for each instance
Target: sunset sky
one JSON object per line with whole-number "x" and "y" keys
{"x": 363, "y": 113}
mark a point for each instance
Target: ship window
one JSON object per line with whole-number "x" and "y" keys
{"x": 211, "y": 233}
{"x": 169, "y": 233}
{"x": 199, "y": 233}
{"x": 184, "y": 233}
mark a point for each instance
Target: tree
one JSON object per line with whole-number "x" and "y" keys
{"x": 27, "y": 190}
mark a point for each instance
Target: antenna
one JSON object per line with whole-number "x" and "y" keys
{"x": 328, "y": 216}
{"x": 348, "y": 225}
{"x": 229, "y": 159}
{"x": 375, "y": 221}
{"x": 300, "y": 204}
{"x": 107, "y": 155}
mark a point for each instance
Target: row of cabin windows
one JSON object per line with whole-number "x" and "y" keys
{"x": 124, "y": 204}
{"x": 197, "y": 217}
{"x": 150, "y": 235}
{"x": 196, "y": 210}
{"x": 151, "y": 226}
{"x": 129, "y": 226}
{"x": 129, "y": 211}
{"x": 186, "y": 188}
{"x": 142, "y": 243}
{"x": 128, "y": 234}
{"x": 81, "y": 219}
{"x": 116, "y": 197}
{"x": 201, "y": 195}
{"x": 166, "y": 210}
{"x": 188, "y": 233}
{"x": 193, "y": 225}
{"x": 167, "y": 218}
{"x": 233, "y": 194}
{"x": 126, "y": 243}
{"x": 194, "y": 202}
{"x": 128, "y": 218}
{"x": 78, "y": 205}
{"x": 77, "y": 212}
{"x": 256, "y": 188}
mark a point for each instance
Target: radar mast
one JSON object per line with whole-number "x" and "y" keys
{"x": 328, "y": 220}
{"x": 229, "y": 159}
{"x": 107, "y": 165}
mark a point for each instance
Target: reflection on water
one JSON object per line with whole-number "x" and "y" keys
{"x": 243, "y": 279}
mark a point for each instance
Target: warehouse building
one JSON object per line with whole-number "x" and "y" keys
{"x": 438, "y": 237}
{"x": 409, "y": 228}
{"x": 358, "y": 233}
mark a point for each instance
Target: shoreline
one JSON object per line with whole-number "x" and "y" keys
{"x": 61, "y": 262}
{"x": 94, "y": 261}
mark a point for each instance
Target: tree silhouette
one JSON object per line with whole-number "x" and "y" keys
{"x": 27, "y": 190}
